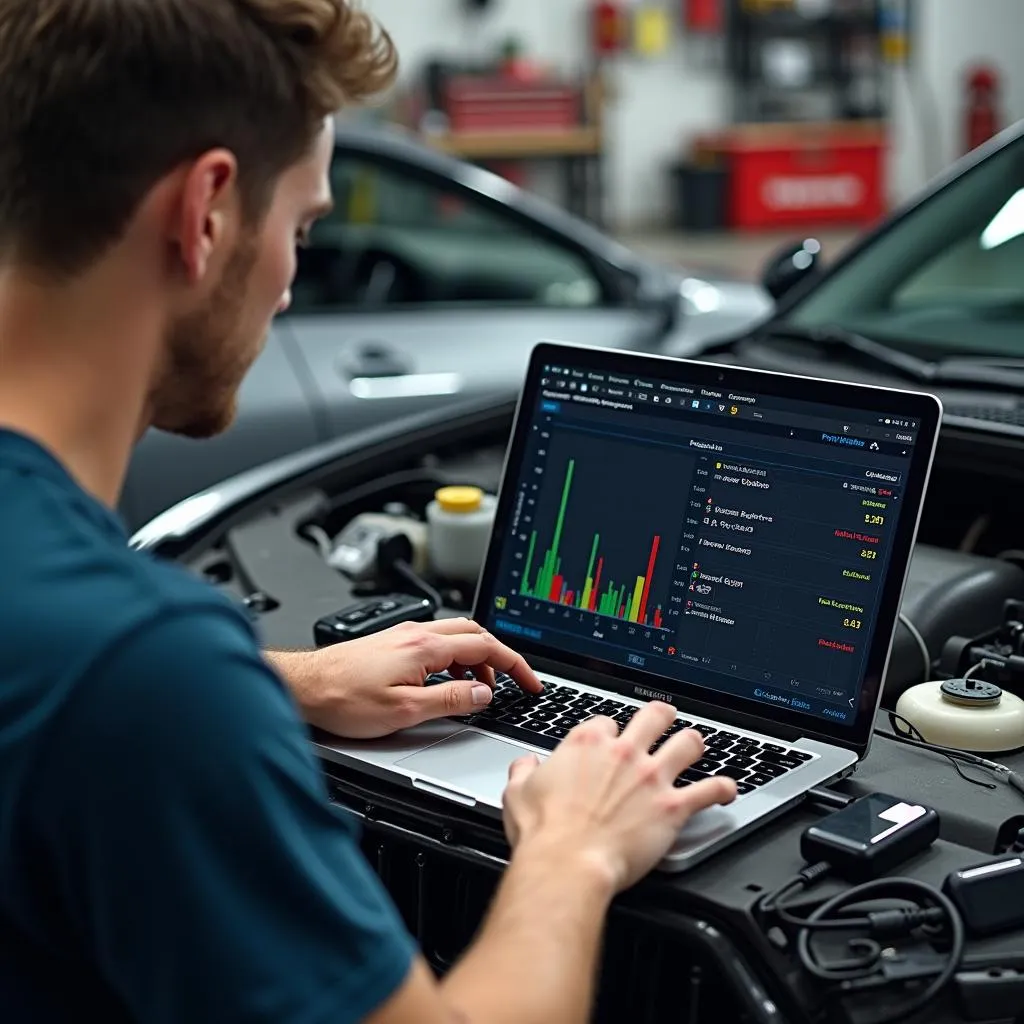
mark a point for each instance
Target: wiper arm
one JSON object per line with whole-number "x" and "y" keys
{"x": 858, "y": 350}
{"x": 837, "y": 340}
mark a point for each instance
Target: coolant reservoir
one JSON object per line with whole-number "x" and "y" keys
{"x": 459, "y": 522}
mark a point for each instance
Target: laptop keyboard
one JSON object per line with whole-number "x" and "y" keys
{"x": 544, "y": 719}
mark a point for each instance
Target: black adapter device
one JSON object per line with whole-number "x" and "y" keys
{"x": 870, "y": 836}
{"x": 990, "y": 896}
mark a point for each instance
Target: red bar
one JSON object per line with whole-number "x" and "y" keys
{"x": 622, "y": 610}
{"x": 556, "y": 589}
{"x": 657, "y": 618}
{"x": 642, "y": 617}
{"x": 596, "y": 584}
{"x": 568, "y": 598}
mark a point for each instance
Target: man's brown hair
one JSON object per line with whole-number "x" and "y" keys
{"x": 102, "y": 98}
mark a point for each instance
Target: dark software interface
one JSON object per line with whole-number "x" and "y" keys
{"x": 732, "y": 540}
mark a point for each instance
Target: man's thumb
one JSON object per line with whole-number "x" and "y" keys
{"x": 459, "y": 697}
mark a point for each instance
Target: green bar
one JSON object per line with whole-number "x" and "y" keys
{"x": 543, "y": 587}
{"x": 589, "y": 584}
{"x": 634, "y": 605}
{"x": 561, "y": 514}
{"x": 524, "y": 585}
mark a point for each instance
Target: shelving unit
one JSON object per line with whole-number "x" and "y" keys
{"x": 793, "y": 61}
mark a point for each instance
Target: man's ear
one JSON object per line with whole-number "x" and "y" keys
{"x": 203, "y": 220}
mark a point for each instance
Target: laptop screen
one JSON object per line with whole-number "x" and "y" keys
{"x": 718, "y": 539}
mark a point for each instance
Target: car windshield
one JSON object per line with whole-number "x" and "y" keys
{"x": 947, "y": 279}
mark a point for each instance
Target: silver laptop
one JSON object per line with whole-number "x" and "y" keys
{"x": 732, "y": 541}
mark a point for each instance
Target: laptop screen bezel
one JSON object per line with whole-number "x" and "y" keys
{"x": 622, "y": 679}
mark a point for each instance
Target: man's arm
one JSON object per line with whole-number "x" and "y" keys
{"x": 535, "y": 960}
{"x": 588, "y": 823}
{"x": 195, "y": 857}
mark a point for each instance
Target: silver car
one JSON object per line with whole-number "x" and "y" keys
{"x": 431, "y": 280}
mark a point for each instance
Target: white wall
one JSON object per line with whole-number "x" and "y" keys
{"x": 658, "y": 104}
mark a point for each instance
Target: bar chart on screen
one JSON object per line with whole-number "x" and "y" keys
{"x": 603, "y": 533}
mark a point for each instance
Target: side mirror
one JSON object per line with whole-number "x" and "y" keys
{"x": 789, "y": 266}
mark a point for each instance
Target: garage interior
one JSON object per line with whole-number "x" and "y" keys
{"x": 679, "y": 346}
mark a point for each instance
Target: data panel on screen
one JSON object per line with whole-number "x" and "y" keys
{"x": 735, "y": 542}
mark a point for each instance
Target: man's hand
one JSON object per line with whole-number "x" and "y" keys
{"x": 374, "y": 686}
{"x": 604, "y": 801}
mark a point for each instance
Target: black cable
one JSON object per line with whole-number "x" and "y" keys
{"x": 393, "y": 555}
{"x": 417, "y": 583}
{"x": 1011, "y": 777}
{"x": 865, "y": 967}
{"x": 891, "y": 887}
{"x": 950, "y": 753}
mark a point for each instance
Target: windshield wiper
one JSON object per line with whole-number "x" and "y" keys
{"x": 858, "y": 350}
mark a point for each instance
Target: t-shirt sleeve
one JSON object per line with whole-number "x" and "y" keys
{"x": 199, "y": 861}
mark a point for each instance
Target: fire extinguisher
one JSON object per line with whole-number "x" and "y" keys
{"x": 982, "y": 116}
{"x": 704, "y": 16}
{"x": 608, "y": 27}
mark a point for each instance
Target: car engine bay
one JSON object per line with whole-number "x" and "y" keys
{"x": 279, "y": 555}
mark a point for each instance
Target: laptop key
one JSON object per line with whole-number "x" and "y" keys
{"x": 719, "y": 739}
{"x": 543, "y": 715}
{"x": 744, "y": 787}
{"x": 558, "y": 731}
{"x": 786, "y": 760}
{"x": 680, "y": 782}
{"x": 715, "y": 755}
{"x": 534, "y": 726}
{"x": 774, "y": 746}
{"x": 780, "y": 761}
{"x": 759, "y": 780}
{"x": 517, "y": 732}
{"x": 733, "y": 773}
{"x": 693, "y": 775}
{"x": 511, "y": 719}
{"x": 767, "y": 768}
{"x": 738, "y": 761}
{"x": 704, "y": 730}
{"x": 705, "y": 766}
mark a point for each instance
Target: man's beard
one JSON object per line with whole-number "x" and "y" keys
{"x": 196, "y": 394}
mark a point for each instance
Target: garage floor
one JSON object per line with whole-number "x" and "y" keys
{"x": 742, "y": 253}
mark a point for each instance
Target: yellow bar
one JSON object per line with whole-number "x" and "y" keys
{"x": 638, "y": 593}
{"x": 587, "y": 587}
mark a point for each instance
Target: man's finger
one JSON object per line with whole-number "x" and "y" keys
{"x": 706, "y": 793}
{"x": 480, "y": 649}
{"x": 521, "y": 768}
{"x": 599, "y": 723}
{"x": 680, "y": 751}
{"x": 459, "y": 697}
{"x": 483, "y": 673}
{"x": 648, "y": 724}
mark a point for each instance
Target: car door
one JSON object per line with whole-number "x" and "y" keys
{"x": 417, "y": 289}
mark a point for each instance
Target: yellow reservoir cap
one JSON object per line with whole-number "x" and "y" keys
{"x": 460, "y": 499}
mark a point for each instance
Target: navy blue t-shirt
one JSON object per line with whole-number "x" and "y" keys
{"x": 167, "y": 850}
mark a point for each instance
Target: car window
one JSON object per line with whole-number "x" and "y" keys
{"x": 396, "y": 239}
{"x": 947, "y": 277}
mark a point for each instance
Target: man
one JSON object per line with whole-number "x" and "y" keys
{"x": 167, "y": 853}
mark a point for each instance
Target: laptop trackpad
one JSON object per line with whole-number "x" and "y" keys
{"x": 469, "y": 762}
